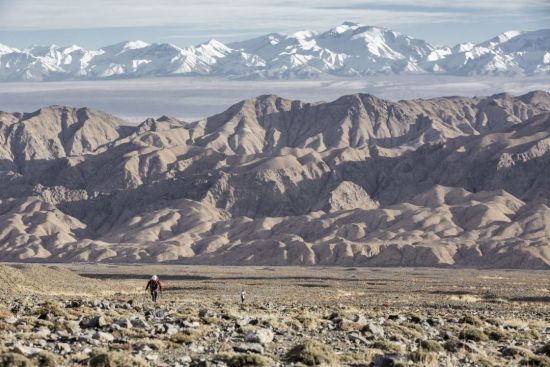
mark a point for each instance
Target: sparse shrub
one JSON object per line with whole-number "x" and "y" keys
{"x": 211, "y": 320}
{"x": 313, "y": 353}
{"x": 496, "y": 334}
{"x": 539, "y": 361}
{"x": 51, "y": 307}
{"x": 472, "y": 320}
{"x": 388, "y": 346}
{"x": 185, "y": 336}
{"x": 115, "y": 359}
{"x": 47, "y": 359}
{"x": 481, "y": 361}
{"x": 471, "y": 333}
{"x": 423, "y": 357}
{"x": 154, "y": 344}
{"x": 4, "y": 313}
{"x": 452, "y": 345}
{"x": 513, "y": 351}
{"x": 243, "y": 359}
{"x": 14, "y": 360}
{"x": 431, "y": 346}
{"x": 308, "y": 321}
{"x": 361, "y": 358}
{"x": 545, "y": 349}
{"x": 405, "y": 329}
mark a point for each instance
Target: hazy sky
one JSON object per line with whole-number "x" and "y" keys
{"x": 95, "y": 23}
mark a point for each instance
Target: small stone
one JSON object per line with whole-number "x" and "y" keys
{"x": 123, "y": 323}
{"x": 11, "y": 320}
{"x": 139, "y": 323}
{"x": 72, "y": 327}
{"x": 243, "y": 322}
{"x": 93, "y": 322}
{"x": 374, "y": 329}
{"x": 361, "y": 320}
{"x": 185, "y": 359}
{"x": 249, "y": 347}
{"x": 170, "y": 329}
{"x": 25, "y": 350}
{"x": 64, "y": 348}
{"x": 42, "y": 332}
{"x": 356, "y": 337}
{"x": 102, "y": 336}
{"x": 262, "y": 336}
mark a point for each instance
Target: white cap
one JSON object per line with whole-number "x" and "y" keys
{"x": 154, "y": 277}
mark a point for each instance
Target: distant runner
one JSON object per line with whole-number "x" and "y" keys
{"x": 243, "y": 296}
{"x": 154, "y": 285}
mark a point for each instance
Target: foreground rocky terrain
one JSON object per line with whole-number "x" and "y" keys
{"x": 358, "y": 181}
{"x": 50, "y": 316}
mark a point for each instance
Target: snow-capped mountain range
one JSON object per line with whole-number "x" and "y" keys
{"x": 350, "y": 49}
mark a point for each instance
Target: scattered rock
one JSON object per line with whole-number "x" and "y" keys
{"x": 103, "y": 336}
{"x": 249, "y": 347}
{"x": 262, "y": 336}
{"x": 376, "y": 330}
{"x": 93, "y": 322}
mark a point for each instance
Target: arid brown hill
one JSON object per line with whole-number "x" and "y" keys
{"x": 357, "y": 181}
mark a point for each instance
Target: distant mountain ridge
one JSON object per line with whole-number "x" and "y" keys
{"x": 347, "y": 50}
{"x": 358, "y": 181}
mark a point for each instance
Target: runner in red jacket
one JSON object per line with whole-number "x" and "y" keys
{"x": 154, "y": 285}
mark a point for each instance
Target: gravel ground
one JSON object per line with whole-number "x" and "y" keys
{"x": 99, "y": 315}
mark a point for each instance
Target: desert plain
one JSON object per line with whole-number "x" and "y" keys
{"x": 100, "y": 315}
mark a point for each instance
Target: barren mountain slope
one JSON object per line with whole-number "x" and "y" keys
{"x": 358, "y": 181}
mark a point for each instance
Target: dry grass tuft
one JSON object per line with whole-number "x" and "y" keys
{"x": 431, "y": 346}
{"x": 388, "y": 346}
{"x": 14, "y": 360}
{"x": 243, "y": 359}
{"x": 115, "y": 359}
{"x": 472, "y": 320}
{"x": 539, "y": 361}
{"x": 186, "y": 336}
{"x": 471, "y": 333}
{"x": 513, "y": 351}
{"x": 313, "y": 353}
{"x": 423, "y": 357}
{"x": 496, "y": 334}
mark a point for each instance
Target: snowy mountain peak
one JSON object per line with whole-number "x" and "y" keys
{"x": 133, "y": 45}
{"x": 344, "y": 27}
{"x": 6, "y": 49}
{"x": 350, "y": 49}
{"x": 506, "y": 36}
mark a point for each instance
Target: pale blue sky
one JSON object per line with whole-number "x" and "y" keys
{"x": 95, "y": 23}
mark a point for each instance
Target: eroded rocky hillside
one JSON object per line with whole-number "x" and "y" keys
{"x": 357, "y": 181}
